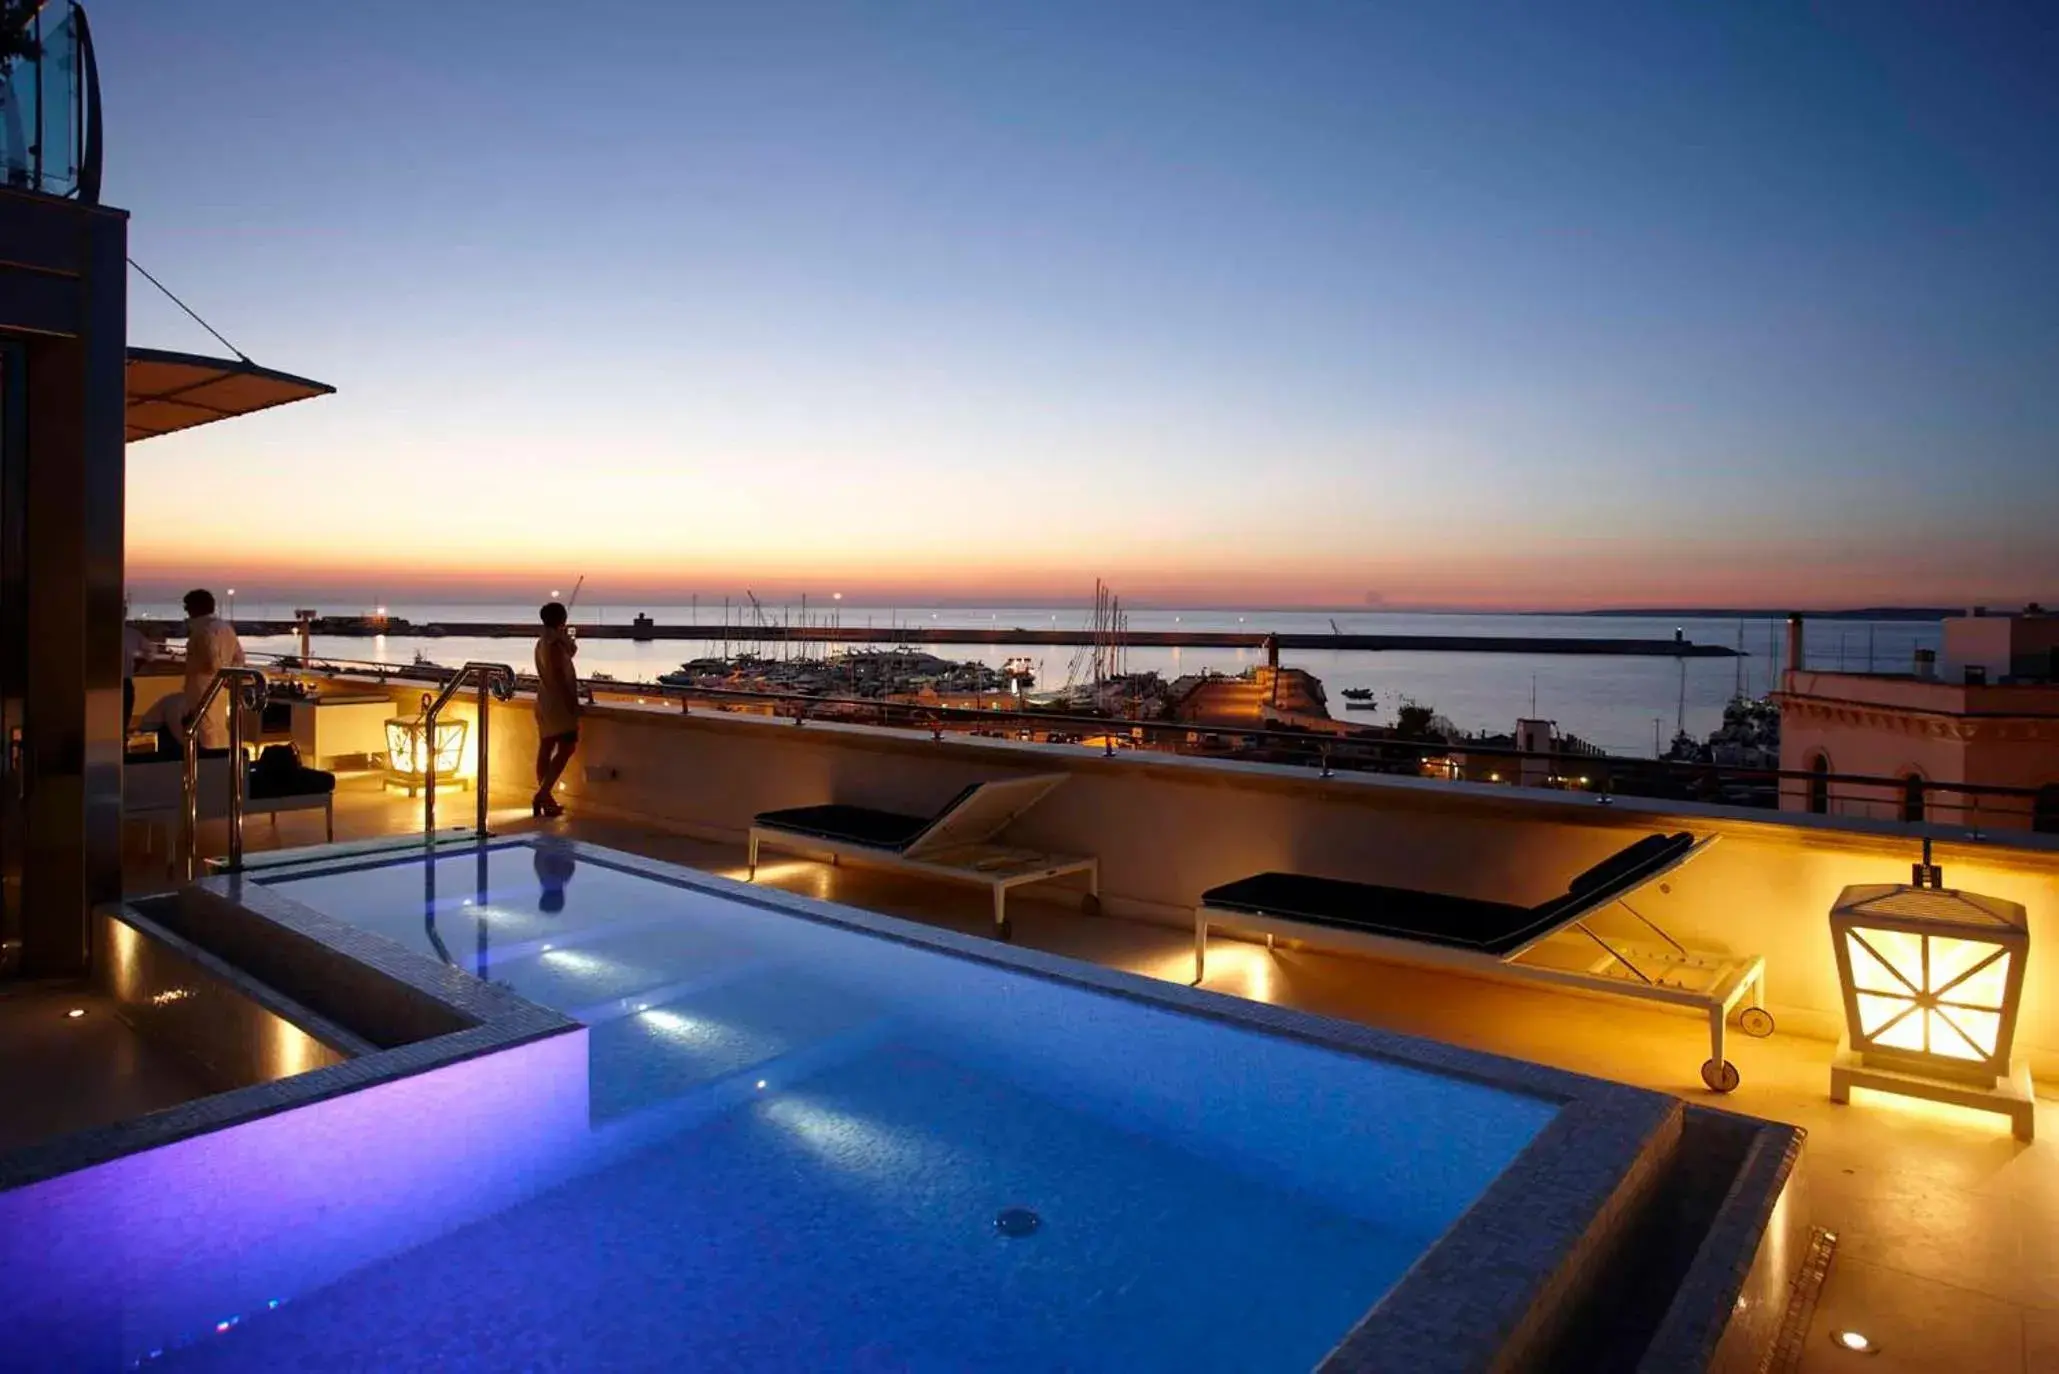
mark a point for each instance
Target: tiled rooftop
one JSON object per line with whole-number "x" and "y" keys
{"x": 1948, "y": 1228}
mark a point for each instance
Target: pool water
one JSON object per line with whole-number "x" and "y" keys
{"x": 801, "y": 1137}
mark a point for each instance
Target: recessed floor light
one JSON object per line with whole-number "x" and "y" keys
{"x": 75, "y": 1013}
{"x": 1855, "y": 1341}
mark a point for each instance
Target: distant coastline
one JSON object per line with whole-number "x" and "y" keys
{"x": 1720, "y": 613}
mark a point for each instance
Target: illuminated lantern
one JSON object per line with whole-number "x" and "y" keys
{"x": 1931, "y": 978}
{"x": 407, "y": 752}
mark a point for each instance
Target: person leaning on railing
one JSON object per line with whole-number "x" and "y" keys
{"x": 557, "y": 706}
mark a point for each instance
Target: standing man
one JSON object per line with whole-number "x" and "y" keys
{"x": 211, "y": 645}
{"x": 557, "y": 706}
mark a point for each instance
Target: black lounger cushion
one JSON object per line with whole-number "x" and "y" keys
{"x": 1404, "y": 913}
{"x": 860, "y": 824}
{"x": 1647, "y": 854}
{"x": 853, "y": 824}
{"x": 1497, "y": 928}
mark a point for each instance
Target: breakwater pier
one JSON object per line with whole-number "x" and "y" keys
{"x": 745, "y": 634}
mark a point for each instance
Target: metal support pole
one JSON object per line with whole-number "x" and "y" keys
{"x": 429, "y": 711}
{"x": 189, "y": 807}
{"x": 485, "y": 736}
{"x": 238, "y": 780}
{"x": 497, "y": 679}
{"x": 251, "y": 695}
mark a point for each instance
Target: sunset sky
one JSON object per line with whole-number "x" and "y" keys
{"x": 1435, "y": 305}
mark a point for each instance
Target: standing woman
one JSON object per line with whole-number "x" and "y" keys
{"x": 557, "y": 707}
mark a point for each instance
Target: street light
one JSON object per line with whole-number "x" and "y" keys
{"x": 232, "y": 605}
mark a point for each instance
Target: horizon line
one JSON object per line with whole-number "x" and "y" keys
{"x": 1712, "y": 612}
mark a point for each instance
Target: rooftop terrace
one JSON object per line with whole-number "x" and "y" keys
{"x": 1947, "y": 1228}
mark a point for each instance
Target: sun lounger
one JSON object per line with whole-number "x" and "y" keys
{"x": 1501, "y": 939}
{"x": 958, "y": 843}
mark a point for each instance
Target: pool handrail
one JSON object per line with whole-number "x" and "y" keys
{"x": 494, "y": 680}
{"x": 249, "y": 696}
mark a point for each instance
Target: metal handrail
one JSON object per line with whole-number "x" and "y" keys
{"x": 1610, "y": 770}
{"x": 495, "y": 680}
{"x": 923, "y": 716}
{"x": 249, "y": 696}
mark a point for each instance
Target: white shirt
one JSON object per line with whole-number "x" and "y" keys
{"x": 211, "y": 645}
{"x": 135, "y": 649}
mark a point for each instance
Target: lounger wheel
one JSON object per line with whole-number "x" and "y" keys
{"x": 1756, "y": 1022}
{"x": 1720, "y": 1074}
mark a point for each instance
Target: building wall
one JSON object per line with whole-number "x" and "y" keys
{"x": 1874, "y": 750}
{"x": 1991, "y": 736}
{"x": 2001, "y": 645}
{"x": 1167, "y": 827}
{"x": 63, "y": 283}
{"x": 1981, "y": 641}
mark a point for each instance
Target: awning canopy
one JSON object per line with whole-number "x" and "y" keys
{"x": 168, "y": 392}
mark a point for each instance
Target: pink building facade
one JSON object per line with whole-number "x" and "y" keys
{"x": 1988, "y": 715}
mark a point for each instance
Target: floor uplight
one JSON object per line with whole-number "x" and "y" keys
{"x": 76, "y": 1012}
{"x": 1855, "y": 1341}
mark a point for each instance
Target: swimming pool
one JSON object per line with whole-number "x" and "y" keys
{"x": 814, "y": 1138}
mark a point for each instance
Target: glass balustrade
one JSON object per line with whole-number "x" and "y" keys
{"x": 49, "y": 100}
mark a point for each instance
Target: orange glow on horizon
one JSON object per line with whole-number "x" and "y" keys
{"x": 467, "y": 526}
{"x": 1437, "y": 581}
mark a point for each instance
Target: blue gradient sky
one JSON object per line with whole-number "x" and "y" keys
{"x": 1455, "y": 304}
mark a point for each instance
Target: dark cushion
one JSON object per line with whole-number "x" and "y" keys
{"x": 1649, "y": 853}
{"x": 302, "y": 782}
{"x": 854, "y": 824}
{"x": 862, "y": 824}
{"x": 1433, "y": 917}
{"x": 1497, "y": 928}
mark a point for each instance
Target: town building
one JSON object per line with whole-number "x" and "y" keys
{"x": 1981, "y": 714}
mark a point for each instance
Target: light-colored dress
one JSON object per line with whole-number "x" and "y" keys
{"x": 211, "y": 645}
{"x": 557, "y": 685}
